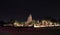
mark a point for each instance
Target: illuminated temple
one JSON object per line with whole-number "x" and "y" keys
{"x": 35, "y": 23}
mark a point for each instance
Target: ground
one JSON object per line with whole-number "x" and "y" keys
{"x": 29, "y": 31}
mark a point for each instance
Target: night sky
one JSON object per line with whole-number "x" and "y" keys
{"x": 19, "y": 10}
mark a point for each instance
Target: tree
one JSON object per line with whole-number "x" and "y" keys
{"x": 2, "y": 23}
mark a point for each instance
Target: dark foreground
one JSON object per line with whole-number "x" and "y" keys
{"x": 29, "y": 31}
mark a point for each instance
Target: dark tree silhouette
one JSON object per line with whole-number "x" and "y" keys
{"x": 50, "y": 18}
{"x": 59, "y": 21}
{"x": 12, "y": 21}
{"x": 2, "y": 23}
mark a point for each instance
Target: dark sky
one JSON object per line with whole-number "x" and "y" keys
{"x": 20, "y": 10}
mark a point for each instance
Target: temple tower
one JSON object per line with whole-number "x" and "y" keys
{"x": 29, "y": 19}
